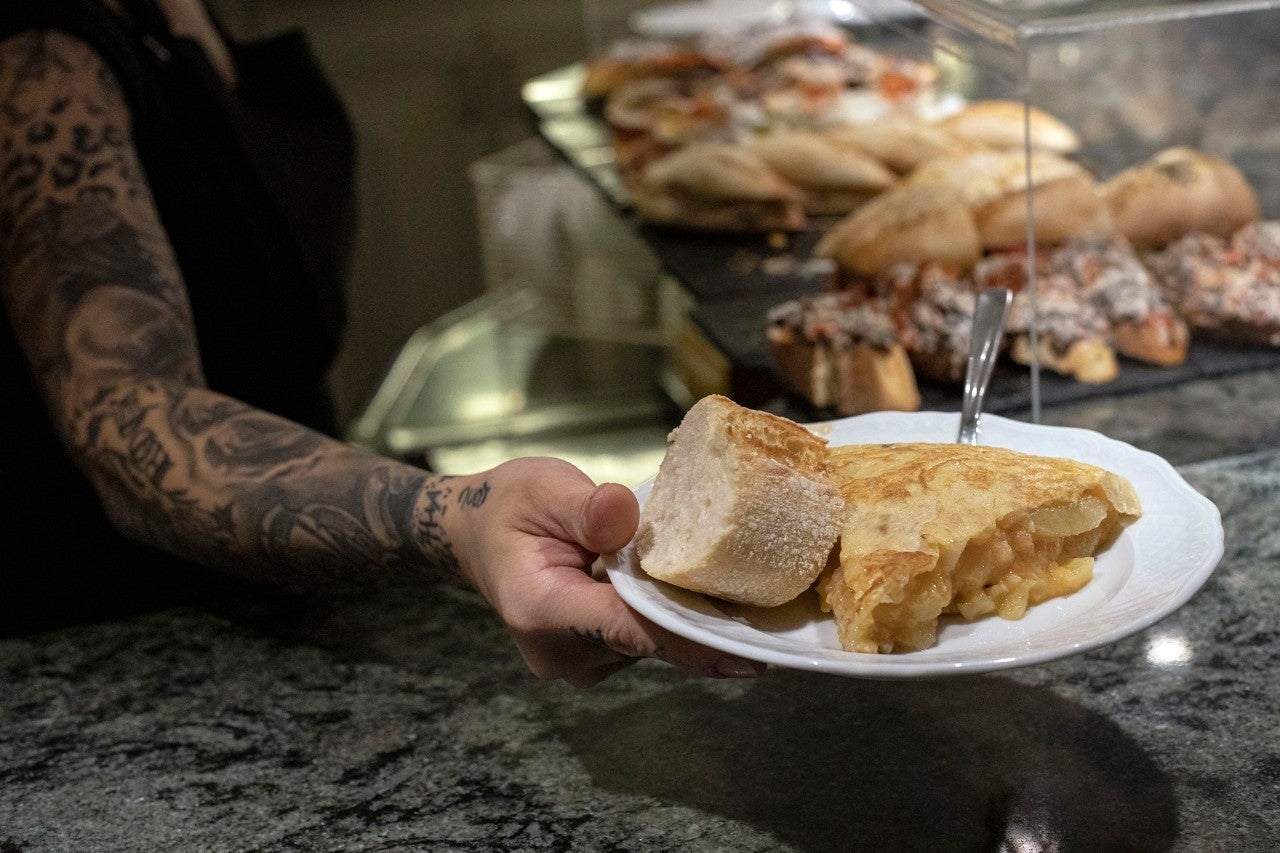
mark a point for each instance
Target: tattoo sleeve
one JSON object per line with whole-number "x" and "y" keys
{"x": 96, "y": 298}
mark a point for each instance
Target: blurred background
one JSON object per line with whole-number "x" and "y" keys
{"x": 432, "y": 86}
{"x": 500, "y": 306}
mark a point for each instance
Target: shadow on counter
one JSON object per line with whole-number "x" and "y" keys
{"x": 826, "y": 764}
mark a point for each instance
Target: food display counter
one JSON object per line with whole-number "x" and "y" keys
{"x": 1109, "y": 80}
{"x": 405, "y": 719}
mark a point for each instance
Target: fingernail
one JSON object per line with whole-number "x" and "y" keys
{"x": 738, "y": 668}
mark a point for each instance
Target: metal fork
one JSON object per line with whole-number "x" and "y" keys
{"x": 989, "y": 316}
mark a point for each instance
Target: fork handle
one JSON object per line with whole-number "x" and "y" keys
{"x": 984, "y": 345}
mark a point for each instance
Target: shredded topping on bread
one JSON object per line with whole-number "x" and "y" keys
{"x": 836, "y": 319}
{"x": 1217, "y": 284}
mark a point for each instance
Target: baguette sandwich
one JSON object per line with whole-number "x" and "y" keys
{"x": 717, "y": 187}
{"x": 902, "y": 142}
{"x": 913, "y": 225}
{"x": 1065, "y": 200}
{"x": 834, "y": 178}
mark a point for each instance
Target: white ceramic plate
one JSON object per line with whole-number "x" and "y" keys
{"x": 1153, "y": 568}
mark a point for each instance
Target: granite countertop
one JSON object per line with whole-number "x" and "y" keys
{"x": 393, "y": 722}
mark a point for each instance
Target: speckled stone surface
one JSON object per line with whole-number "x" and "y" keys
{"x": 396, "y": 722}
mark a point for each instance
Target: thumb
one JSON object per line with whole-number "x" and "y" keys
{"x": 602, "y": 520}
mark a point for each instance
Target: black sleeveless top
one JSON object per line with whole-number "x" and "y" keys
{"x": 254, "y": 187}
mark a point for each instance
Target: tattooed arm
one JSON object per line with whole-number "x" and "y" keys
{"x": 97, "y": 301}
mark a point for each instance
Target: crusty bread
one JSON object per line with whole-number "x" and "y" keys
{"x": 1091, "y": 361}
{"x": 1160, "y": 339}
{"x": 1178, "y": 192}
{"x": 853, "y": 380}
{"x": 835, "y": 179}
{"x": 1002, "y": 124}
{"x": 743, "y": 507}
{"x": 717, "y": 187}
{"x": 993, "y": 184}
{"x": 901, "y": 142}
{"x": 904, "y": 225}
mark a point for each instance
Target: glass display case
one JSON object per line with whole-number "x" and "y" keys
{"x": 1126, "y": 82}
{"x": 1154, "y": 87}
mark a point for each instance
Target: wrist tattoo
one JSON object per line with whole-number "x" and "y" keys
{"x": 474, "y": 498}
{"x": 436, "y": 494}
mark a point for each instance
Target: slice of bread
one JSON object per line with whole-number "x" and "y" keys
{"x": 743, "y": 508}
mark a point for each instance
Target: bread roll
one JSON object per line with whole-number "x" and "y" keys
{"x": 717, "y": 187}
{"x": 1002, "y": 124}
{"x": 725, "y": 172}
{"x": 904, "y": 225}
{"x": 903, "y": 143}
{"x": 743, "y": 507}
{"x": 835, "y": 179}
{"x": 1178, "y": 192}
{"x": 1066, "y": 200}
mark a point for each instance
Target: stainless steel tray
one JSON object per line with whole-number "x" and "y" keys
{"x": 489, "y": 382}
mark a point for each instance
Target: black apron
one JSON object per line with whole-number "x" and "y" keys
{"x": 254, "y": 187}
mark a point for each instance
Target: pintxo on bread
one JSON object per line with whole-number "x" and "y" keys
{"x": 1142, "y": 323}
{"x": 1227, "y": 289}
{"x": 957, "y": 225}
{"x": 842, "y": 352}
{"x": 754, "y": 509}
